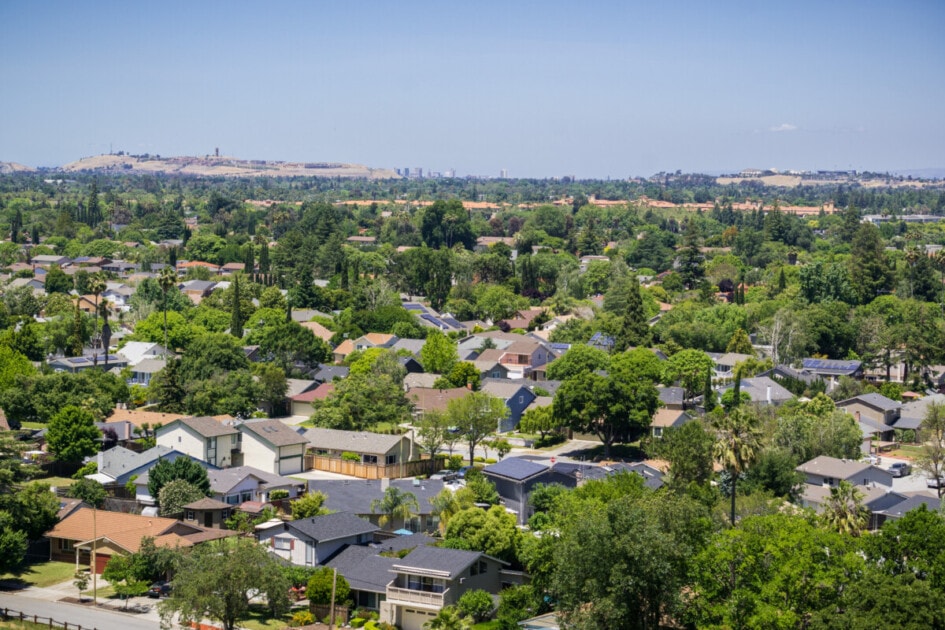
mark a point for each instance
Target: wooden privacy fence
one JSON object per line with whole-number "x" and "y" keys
{"x": 14, "y": 615}
{"x": 366, "y": 471}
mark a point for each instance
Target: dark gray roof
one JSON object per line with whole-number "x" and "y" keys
{"x": 399, "y": 543}
{"x": 120, "y": 460}
{"x": 328, "y": 373}
{"x": 515, "y": 468}
{"x": 757, "y": 388}
{"x": 549, "y": 386}
{"x": 671, "y": 395}
{"x": 910, "y": 422}
{"x": 899, "y": 510}
{"x": 448, "y": 562}
{"x": 917, "y": 408}
{"x": 355, "y": 496}
{"x": 832, "y": 366}
{"x": 332, "y": 526}
{"x": 206, "y": 426}
{"x": 364, "y": 569}
{"x": 354, "y": 441}
{"x": 652, "y": 478}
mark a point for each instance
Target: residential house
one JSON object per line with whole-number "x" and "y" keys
{"x": 522, "y": 357}
{"x": 367, "y": 573}
{"x": 371, "y": 448}
{"x": 119, "y": 295}
{"x": 79, "y": 364}
{"x": 303, "y": 404}
{"x": 413, "y": 346}
{"x": 144, "y": 371}
{"x": 428, "y": 579}
{"x": 342, "y": 350}
{"x": 897, "y": 511}
{"x": 516, "y": 396}
{"x": 319, "y": 331}
{"x": 232, "y": 267}
{"x": 374, "y": 340}
{"x": 514, "y": 479}
{"x": 313, "y": 541}
{"x": 667, "y": 419}
{"x": 196, "y": 290}
{"x": 420, "y": 379}
{"x": 725, "y": 363}
{"x": 137, "y": 351}
{"x": 362, "y": 241}
{"x": 672, "y": 397}
{"x": 328, "y": 373}
{"x": 764, "y": 390}
{"x": 233, "y": 486}
{"x": 117, "y": 466}
{"x": 202, "y": 438}
{"x": 141, "y": 418}
{"x": 830, "y": 471}
{"x": 48, "y": 260}
{"x": 490, "y": 367}
{"x": 469, "y": 348}
{"x": 430, "y": 399}
{"x": 911, "y": 414}
{"x": 876, "y": 499}
{"x": 652, "y": 476}
{"x": 117, "y": 534}
{"x": 602, "y": 342}
{"x": 119, "y": 267}
{"x": 356, "y": 496}
{"x": 207, "y": 512}
{"x": 295, "y": 387}
{"x": 875, "y": 411}
{"x": 272, "y": 446}
{"x": 831, "y": 370}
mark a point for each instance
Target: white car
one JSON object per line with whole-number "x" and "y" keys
{"x": 935, "y": 482}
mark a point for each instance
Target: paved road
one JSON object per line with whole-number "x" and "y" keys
{"x": 86, "y": 616}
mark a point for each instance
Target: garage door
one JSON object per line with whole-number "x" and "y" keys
{"x": 290, "y": 465}
{"x": 415, "y": 619}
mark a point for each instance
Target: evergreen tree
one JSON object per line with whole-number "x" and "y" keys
{"x": 690, "y": 257}
{"x": 708, "y": 396}
{"x": 634, "y": 330}
{"x": 94, "y": 210}
{"x": 249, "y": 259}
{"x": 869, "y": 268}
{"x": 264, "y": 258}
{"x": 236, "y": 314}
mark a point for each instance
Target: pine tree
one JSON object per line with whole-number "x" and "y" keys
{"x": 264, "y": 258}
{"x": 708, "y": 395}
{"x": 249, "y": 262}
{"x": 236, "y": 314}
{"x": 94, "y": 210}
{"x": 634, "y": 331}
{"x": 690, "y": 257}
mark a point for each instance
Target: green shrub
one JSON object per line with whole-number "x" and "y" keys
{"x": 357, "y": 622}
{"x": 455, "y": 462}
{"x": 479, "y": 458}
{"x": 275, "y": 495}
{"x": 348, "y": 456}
{"x": 490, "y": 460}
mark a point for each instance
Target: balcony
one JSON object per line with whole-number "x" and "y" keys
{"x": 417, "y": 598}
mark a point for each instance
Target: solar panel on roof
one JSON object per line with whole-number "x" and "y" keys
{"x": 77, "y": 360}
{"x": 452, "y": 322}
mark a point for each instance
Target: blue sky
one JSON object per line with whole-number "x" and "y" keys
{"x": 592, "y": 89}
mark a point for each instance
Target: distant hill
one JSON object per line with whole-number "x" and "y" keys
{"x": 213, "y": 166}
{"x": 12, "y": 167}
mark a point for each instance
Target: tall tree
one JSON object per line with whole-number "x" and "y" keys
{"x": 167, "y": 279}
{"x": 439, "y": 353}
{"x": 184, "y": 468}
{"x": 690, "y": 257}
{"x": 431, "y": 434}
{"x": 634, "y": 329}
{"x": 844, "y": 511}
{"x": 737, "y": 444}
{"x": 476, "y": 415}
{"x": 870, "y": 272}
{"x": 236, "y": 314}
{"x": 217, "y": 580}
{"x": 932, "y": 432}
{"x": 72, "y": 434}
{"x": 97, "y": 287}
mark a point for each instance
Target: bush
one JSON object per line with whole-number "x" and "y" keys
{"x": 275, "y": 495}
{"x": 357, "y": 622}
{"x": 302, "y": 618}
{"x": 549, "y": 440}
{"x": 490, "y": 460}
{"x": 455, "y": 462}
{"x": 348, "y": 456}
{"x": 476, "y": 604}
{"x": 480, "y": 459}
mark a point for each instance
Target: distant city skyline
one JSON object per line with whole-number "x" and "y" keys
{"x": 594, "y": 90}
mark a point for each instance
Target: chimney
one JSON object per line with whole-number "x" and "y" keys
{"x": 769, "y": 394}
{"x": 385, "y": 483}
{"x": 856, "y": 414}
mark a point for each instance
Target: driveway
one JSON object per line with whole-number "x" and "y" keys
{"x": 915, "y": 482}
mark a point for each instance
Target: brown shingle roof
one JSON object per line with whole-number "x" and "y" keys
{"x": 429, "y": 399}
{"x": 125, "y": 530}
{"x": 319, "y": 393}
{"x": 138, "y": 417}
{"x": 319, "y": 331}
{"x": 208, "y": 427}
{"x": 274, "y": 432}
{"x": 207, "y": 503}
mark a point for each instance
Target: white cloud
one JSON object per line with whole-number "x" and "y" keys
{"x": 783, "y": 127}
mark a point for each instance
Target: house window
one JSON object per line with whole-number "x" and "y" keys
{"x": 225, "y": 514}
{"x": 232, "y": 499}
{"x": 390, "y": 459}
{"x": 483, "y": 566}
{"x": 65, "y": 545}
{"x": 369, "y": 459}
{"x": 309, "y": 555}
{"x": 246, "y": 495}
{"x": 282, "y": 544}
{"x": 190, "y": 515}
{"x": 657, "y": 431}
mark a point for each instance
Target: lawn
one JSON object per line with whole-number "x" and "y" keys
{"x": 33, "y": 425}
{"x": 259, "y": 619}
{"x": 57, "y": 482}
{"x": 905, "y": 451}
{"x": 487, "y": 625}
{"x": 23, "y": 625}
{"x": 44, "y": 574}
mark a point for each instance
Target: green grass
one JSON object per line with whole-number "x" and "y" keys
{"x": 487, "y": 625}
{"x": 23, "y": 625}
{"x": 33, "y": 425}
{"x": 104, "y": 592}
{"x": 57, "y": 482}
{"x": 259, "y": 619}
{"x": 44, "y": 574}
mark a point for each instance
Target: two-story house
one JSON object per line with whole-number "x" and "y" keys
{"x": 516, "y": 396}
{"x": 203, "y": 438}
{"x": 428, "y": 579}
{"x": 272, "y": 446}
{"x": 874, "y": 410}
{"x": 522, "y": 357}
{"x": 313, "y": 541}
{"x": 830, "y": 471}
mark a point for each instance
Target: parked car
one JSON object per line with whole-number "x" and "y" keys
{"x": 934, "y": 482}
{"x": 159, "y": 589}
{"x": 874, "y": 460}
{"x": 900, "y": 469}
{"x": 445, "y": 475}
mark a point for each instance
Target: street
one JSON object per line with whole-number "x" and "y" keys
{"x": 86, "y": 616}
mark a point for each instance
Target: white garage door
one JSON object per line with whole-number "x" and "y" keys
{"x": 290, "y": 465}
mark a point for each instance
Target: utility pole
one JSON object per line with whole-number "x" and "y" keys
{"x": 331, "y": 614}
{"x": 94, "y": 549}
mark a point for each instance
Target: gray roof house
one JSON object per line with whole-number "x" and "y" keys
{"x": 313, "y": 541}
{"x": 876, "y": 499}
{"x": 355, "y": 496}
{"x": 873, "y": 409}
{"x": 764, "y": 391}
{"x": 514, "y": 479}
{"x": 273, "y": 446}
{"x": 368, "y": 573}
{"x": 117, "y": 465}
{"x": 234, "y": 486}
{"x": 911, "y": 503}
{"x": 830, "y": 471}
{"x": 374, "y": 448}
{"x": 202, "y": 438}
{"x": 913, "y": 413}
{"x": 431, "y": 578}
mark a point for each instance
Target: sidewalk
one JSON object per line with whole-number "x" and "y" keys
{"x": 67, "y": 593}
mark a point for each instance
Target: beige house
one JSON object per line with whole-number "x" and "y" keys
{"x": 666, "y": 419}
{"x": 272, "y": 446}
{"x": 203, "y": 438}
{"x": 373, "y": 448}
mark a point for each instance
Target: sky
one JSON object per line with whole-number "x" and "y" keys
{"x": 541, "y": 89}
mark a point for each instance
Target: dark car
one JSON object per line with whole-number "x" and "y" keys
{"x": 900, "y": 469}
{"x": 159, "y": 589}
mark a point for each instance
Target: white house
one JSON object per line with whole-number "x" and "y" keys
{"x": 272, "y": 446}
{"x": 203, "y": 438}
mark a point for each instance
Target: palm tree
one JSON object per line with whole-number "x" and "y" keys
{"x": 843, "y": 510}
{"x": 166, "y": 279}
{"x": 395, "y": 504}
{"x": 448, "y": 503}
{"x": 737, "y": 444}
{"x": 448, "y": 618}
{"x": 97, "y": 287}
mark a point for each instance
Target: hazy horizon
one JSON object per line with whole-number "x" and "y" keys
{"x": 596, "y": 90}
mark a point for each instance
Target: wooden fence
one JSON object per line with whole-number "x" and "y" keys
{"x": 14, "y": 615}
{"x": 366, "y": 471}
